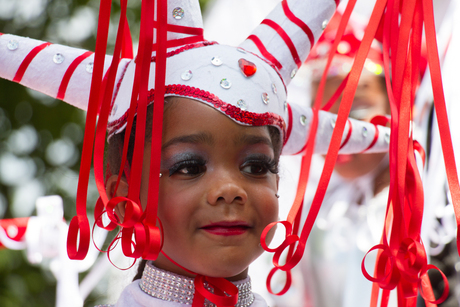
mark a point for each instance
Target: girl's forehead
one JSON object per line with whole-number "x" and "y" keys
{"x": 185, "y": 115}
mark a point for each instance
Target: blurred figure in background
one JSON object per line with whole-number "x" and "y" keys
{"x": 351, "y": 217}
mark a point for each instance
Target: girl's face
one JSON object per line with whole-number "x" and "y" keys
{"x": 217, "y": 190}
{"x": 370, "y": 100}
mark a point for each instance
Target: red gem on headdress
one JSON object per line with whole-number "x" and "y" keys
{"x": 247, "y": 68}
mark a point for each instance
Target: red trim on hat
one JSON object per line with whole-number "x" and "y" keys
{"x": 287, "y": 40}
{"x": 69, "y": 72}
{"x": 182, "y": 29}
{"x": 264, "y": 51}
{"x": 117, "y": 87}
{"x": 348, "y": 134}
{"x": 299, "y": 22}
{"x": 244, "y": 117}
{"x": 27, "y": 60}
{"x": 186, "y": 47}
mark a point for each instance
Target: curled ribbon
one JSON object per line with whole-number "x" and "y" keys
{"x": 225, "y": 293}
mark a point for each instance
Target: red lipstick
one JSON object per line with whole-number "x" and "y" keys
{"x": 225, "y": 228}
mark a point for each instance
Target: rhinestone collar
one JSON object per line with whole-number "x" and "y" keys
{"x": 172, "y": 287}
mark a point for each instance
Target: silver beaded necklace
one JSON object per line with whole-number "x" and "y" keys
{"x": 172, "y": 287}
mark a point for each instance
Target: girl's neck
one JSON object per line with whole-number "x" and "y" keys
{"x": 166, "y": 264}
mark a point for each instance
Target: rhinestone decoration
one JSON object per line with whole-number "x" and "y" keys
{"x": 387, "y": 138}
{"x": 274, "y": 88}
{"x": 332, "y": 122}
{"x": 242, "y": 104}
{"x": 216, "y": 61}
{"x": 58, "y": 58}
{"x": 178, "y": 13}
{"x": 13, "y": 44}
{"x": 180, "y": 289}
{"x": 247, "y": 68}
{"x": 186, "y": 75}
{"x": 324, "y": 24}
{"x": 364, "y": 132}
{"x": 225, "y": 83}
{"x": 265, "y": 98}
{"x": 89, "y": 67}
{"x": 285, "y": 106}
{"x": 303, "y": 120}
{"x": 293, "y": 73}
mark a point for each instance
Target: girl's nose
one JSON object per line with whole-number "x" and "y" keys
{"x": 227, "y": 189}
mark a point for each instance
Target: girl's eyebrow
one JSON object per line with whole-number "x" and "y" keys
{"x": 249, "y": 139}
{"x": 197, "y": 138}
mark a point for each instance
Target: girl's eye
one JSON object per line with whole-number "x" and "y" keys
{"x": 260, "y": 166}
{"x": 255, "y": 169}
{"x": 188, "y": 168}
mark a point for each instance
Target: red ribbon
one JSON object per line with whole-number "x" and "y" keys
{"x": 225, "y": 293}
{"x": 401, "y": 258}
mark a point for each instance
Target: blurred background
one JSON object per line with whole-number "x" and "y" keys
{"x": 41, "y": 138}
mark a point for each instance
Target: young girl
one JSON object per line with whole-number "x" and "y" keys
{"x": 220, "y": 135}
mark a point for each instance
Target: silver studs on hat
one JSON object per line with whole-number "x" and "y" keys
{"x": 265, "y": 98}
{"x": 285, "y": 106}
{"x": 12, "y": 45}
{"x": 274, "y": 89}
{"x": 242, "y": 104}
{"x": 293, "y": 73}
{"x": 364, "y": 132}
{"x": 332, "y": 122}
{"x": 178, "y": 13}
{"x": 186, "y": 75}
{"x": 89, "y": 67}
{"x": 58, "y": 58}
{"x": 216, "y": 61}
{"x": 225, "y": 83}
{"x": 387, "y": 138}
{"x": 324, "y": 24}
{"x": 303, "y": 120}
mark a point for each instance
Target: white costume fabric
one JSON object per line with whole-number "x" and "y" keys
{"x": 160, "y": 288}
{"x": 133, "y": 296}
{"x": 348, "y": 225}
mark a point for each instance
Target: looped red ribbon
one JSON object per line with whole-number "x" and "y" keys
{"x": 79, "y": 235}
{"x": 286, "y": 286}
{"x": 386, "y": 277}
{"x": 133, "y": 211}
{"x": 424, "y": 283}
{"x": 225, "y": 293}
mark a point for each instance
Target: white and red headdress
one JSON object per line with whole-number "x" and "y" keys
{"x": 345, "y": 52}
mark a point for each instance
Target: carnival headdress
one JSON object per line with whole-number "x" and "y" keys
{"x": 246, "y": 83}
{"x": 345, "y": 52}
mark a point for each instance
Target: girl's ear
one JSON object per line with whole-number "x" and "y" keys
{"x": 121, "y": 191}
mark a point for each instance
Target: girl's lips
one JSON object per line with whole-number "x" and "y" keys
{"x": 226, "y": 228}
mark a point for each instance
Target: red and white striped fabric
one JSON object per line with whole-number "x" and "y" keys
{"x": 204, "y": 71}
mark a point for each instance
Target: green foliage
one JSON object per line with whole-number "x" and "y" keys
{"x": 43, "y": 136}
